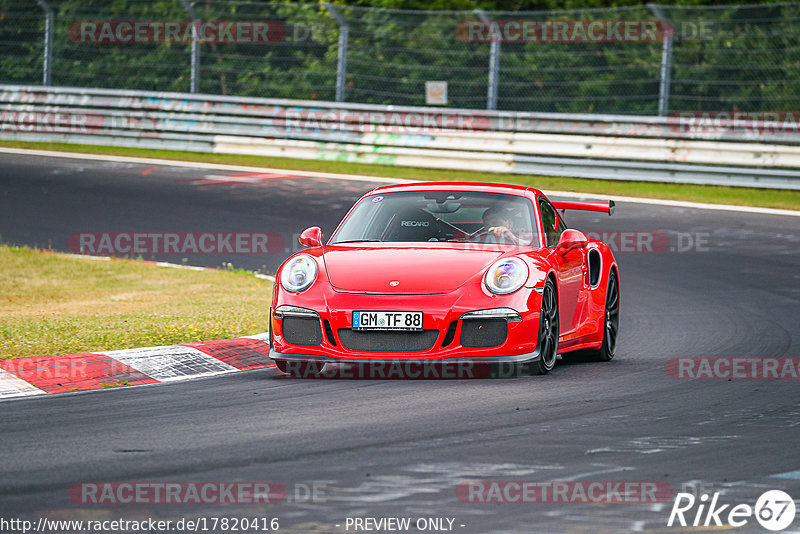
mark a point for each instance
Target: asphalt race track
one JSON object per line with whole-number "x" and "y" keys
{"x": 43, "y": 205}
{"x": 717, "y": 284}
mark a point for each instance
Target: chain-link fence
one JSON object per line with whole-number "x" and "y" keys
{"x": 634, "y": 60}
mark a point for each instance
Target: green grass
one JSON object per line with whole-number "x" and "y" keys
{"x": 770, "y": 198}
{"x": 56, "y": 304}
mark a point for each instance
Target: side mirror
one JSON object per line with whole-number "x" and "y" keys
{"x": 311, "y": 237}
{"x": 571, "y": 239}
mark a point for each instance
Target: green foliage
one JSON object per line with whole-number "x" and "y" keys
{"x": 724, "y": 57}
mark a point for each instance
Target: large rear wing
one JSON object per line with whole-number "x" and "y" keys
{"x": 585, "y": 205}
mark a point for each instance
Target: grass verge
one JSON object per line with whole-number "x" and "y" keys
{"x": 56, "y": 304}
{"x": 768, "y": 198}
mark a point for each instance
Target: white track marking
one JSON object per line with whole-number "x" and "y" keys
{"x": 196, "y": 165}
{"x": 791, "y": 474}
{"x": 161, "y": 264}
{"x": 171, "y": 362}
{"x": 673, "y": 203}
{"x": 87, "y": 256}
{"x": 177, "y": 266}
{"x": 13, "y": 386}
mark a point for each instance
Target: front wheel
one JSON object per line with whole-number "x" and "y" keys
{"x": 548, "y": 332}
{"x": 610, "y": 321}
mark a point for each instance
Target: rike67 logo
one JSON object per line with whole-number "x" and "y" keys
{"x": 774, "y": 510}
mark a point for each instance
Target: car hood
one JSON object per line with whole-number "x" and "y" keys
{"x": 415, "y": 268}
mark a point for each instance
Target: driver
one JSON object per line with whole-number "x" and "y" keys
{"x": 498, "y": 222}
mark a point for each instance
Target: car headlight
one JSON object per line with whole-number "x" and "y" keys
{"x": 299, "y": 273}
{"x": 506, "y": 276}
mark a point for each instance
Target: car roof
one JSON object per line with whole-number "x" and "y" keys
{"x": 482, "y": 187}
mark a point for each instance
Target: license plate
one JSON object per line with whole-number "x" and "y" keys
{"x": 387, "y": 320}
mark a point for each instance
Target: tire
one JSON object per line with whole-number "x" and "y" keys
{"x": 300, "y": 369}
{"x": 548, "y": 332}
{"x": 610, "y": 322}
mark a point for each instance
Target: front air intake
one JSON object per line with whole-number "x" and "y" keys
{"x": 483, "y": 332}
{"x": 302, "y": 330}
{"x": 382, "y": 341}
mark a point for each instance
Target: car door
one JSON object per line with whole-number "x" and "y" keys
{"x": 569, "y": 267}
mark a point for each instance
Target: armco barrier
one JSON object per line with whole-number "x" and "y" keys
{"x": 590, "y": 146}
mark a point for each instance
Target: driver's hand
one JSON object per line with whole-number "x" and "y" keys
{"x": 503, "y": 231}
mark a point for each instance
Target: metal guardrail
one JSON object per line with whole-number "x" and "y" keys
{"x": 617, "y": 147}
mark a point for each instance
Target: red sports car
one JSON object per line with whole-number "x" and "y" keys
{"x": 447, "y": 272}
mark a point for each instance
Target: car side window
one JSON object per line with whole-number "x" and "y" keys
{"x": 561, "y": 224}
{"x": 548, "y": 215}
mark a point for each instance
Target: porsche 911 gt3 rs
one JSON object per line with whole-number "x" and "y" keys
{"x": 447, "y": 272}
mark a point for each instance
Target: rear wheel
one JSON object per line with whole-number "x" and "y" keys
{"x": 611, "y": 322}
{"x": 548, "y": 331}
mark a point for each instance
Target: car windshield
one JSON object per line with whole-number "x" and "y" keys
{"x": 459, "y": 216}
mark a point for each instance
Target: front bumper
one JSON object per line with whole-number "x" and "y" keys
{"x": 529, "y": 357}
{"x": 327, "y": 335}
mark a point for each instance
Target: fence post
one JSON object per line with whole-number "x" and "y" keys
{"x": 341, "y": 57}
{"x": 666, "y": 59}
{"x": 494, "y": 63}
{"x": 47, "y": 68}
{"x": 194, "y": 83}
